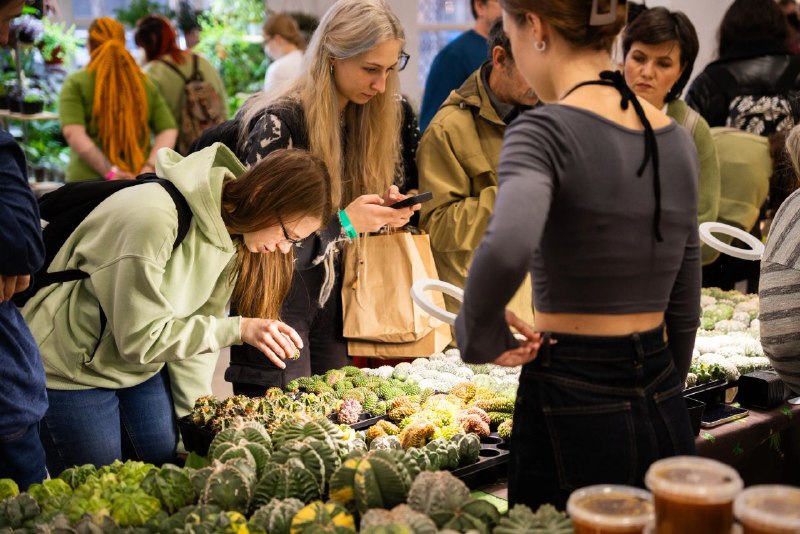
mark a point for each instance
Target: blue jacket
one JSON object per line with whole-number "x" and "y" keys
{"x": 450, "y": 68}
{"x": 23, "y": 398}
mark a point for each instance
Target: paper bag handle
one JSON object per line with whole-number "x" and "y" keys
{"x": 418, "y": 290}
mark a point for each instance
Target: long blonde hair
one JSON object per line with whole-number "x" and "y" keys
{"x": 372, "y": 158}
{"x": 119, "y": 108}
{"x": 285, "y": 186}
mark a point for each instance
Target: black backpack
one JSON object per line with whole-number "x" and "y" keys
{"x": 769, "y": 113}
{"x": 66, "y": 207}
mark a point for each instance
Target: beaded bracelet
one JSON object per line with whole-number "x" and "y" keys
{"x": 347, "y": 226}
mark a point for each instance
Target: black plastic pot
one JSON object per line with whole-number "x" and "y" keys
{"x": 3, "y": 102}
{"x": 14, "y": 105}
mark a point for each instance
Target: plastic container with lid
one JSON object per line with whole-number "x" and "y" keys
{"x": 768, "y": 509}
{"x": 610, "y": 509}
{"x": 693, "y": 495}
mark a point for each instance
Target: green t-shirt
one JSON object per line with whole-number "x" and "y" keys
{"x": 171, "y": 85}
{"x": 75, "y": 107}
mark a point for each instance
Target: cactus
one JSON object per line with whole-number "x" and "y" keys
{"x": 320, "y": 428}
{"x": 469, "y": 448}
{"x": 447, "y": 453}
{"x": 496, "y": 404}
{"x": 504, "y": 429}
{"x": 249, "y": 431}
{"x": 333, "y": 376}
{"x": 350, "y": 411}
{"x": 464, "y": 390}
{"x": 315, "y": 455}
{"x": 417, "y": 434}
{"x": 385, "y": 443}
{"x": 399, "y": 516}
{"x": 275, "y": 516}
{"x": 319, "y": 517}
{"x": 75, "y": 476}
{"x": 474, "y": 424}
{"x": 546, "y": 520}
{"x": 252, "y": 451}
{"x": 402, "y": 407}
{"x": 498, "y": 418}
{"x": 373, "y": 480}
{"x": 475, "y": 514}
{"x": 437, "y": 492}
{"x": 228, "y": 485}
{"x": 284, "y": 481}
{"x": 15, "y": 511}
{"x": 171, "y": 485}
{"x": 485, "y": 417}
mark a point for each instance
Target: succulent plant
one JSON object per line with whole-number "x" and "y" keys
{"x": 229, "y": 485}
{"x": 546, "y": 520}
{"x": 401, "y": 516}
{"x": 373, "y": 480}
{"x": 252, "y": 451}
{"x": 172, "y": 486}
{"x": 474, "y": 424}
{"x": 504, "y": 429}
{"x": 474, "y": 515}
{"x": 498, "y": 418}
{"x": 286, "y": 481}
{"x": 350, "y": 411}
{"x": 469, "y": 448}
{"x": 240, "y": 429}
{"x": 402, "y": 407}
{"x": 296, "y": 429}
{"x": 434, "y": 492}
{"x": 276, "y": 515}
{"x": 15, "y": 511}
{"x": 385, "y": 442}
{"x": 464, "y": 390}
{"x": 485, "y": 417}
{"x": 8, "y": 489}
{"x": 320, "y": 517}
{"x": 417, "y": 434}
{"x": 316, "y": 456}
{"x": 497, "y": 404}
{"x": 75, "y": 476}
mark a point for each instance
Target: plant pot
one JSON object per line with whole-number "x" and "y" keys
{"x": 3, "y": 102}
{"x": 14, "y": 105}
{"x": 32, "y": 108}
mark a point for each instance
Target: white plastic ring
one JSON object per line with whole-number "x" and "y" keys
{"x": 418, "y": 290}
{"x": 754, "y": 253}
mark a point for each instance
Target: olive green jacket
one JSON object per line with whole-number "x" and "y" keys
{"x": 710, "y": 183}
{"x": 457, "y": 159}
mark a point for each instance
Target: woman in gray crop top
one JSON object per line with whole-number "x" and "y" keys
{"x": 598, "y": 201}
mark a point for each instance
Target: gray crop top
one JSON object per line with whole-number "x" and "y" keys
{"x": 571, "y": 210}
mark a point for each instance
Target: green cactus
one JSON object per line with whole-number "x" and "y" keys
{"x": 320, "y": 428}
{"x": 15, "y": 511}
{"x": 498, "y": 418}
{"x": 497, "y": 404}
{"x": 351, "y": 370}
{"x": 8, "y": 489}
{"x": 319, "y": 518}
{"x": 275, "y": 517}
{"x": 546, "y": 520}
{"x": 171, "y": 485}
{"x": 504, "y": 429}
{"x": 315, "y": 455}
{"x": 400, "y": 517}
{"x": 476, "y": 514}
{"x": 374, "y": 480}
{"x": 469, "y": 448}
{"x": 285, "y": 481}
{"x": 437, "y": 492}
{"x": 228, "y": 485}
{"x": 385, "y": 442}
{"x": 417, "y": 434}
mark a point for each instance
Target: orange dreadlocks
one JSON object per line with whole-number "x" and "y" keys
{"x": 119, "y": 109}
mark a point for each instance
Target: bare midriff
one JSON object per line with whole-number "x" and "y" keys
{"x": 586, "y": 324}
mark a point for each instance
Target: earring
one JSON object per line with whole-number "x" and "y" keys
{"x": 331, "y": 69}
{"x": 540, "y": 46}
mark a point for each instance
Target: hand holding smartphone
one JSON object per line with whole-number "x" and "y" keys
{"x": 410, "y": 201}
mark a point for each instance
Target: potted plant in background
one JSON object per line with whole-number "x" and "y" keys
{"x": 138, "y": 9}
{"x": 33, "y": 101}
{"x": 58, "y": 42}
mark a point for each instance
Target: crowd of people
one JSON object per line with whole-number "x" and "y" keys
{"x": 567, "y": 192}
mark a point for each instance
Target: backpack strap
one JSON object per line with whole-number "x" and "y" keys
{"x": 176, "y": 70}
{"x": 690, "y": 120}
{"x": 196, "y": 76}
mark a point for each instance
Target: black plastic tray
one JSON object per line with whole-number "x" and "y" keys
{"x": 195, "y": 439}
{"x": 365, "y": 420}
{"x": 490, "y": 467}
{"x": 711, "y": 392}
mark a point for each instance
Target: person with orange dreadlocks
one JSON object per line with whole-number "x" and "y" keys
{"x": 109, "y": 109}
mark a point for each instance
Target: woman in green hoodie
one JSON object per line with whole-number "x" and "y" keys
{"x": 109, "y": 391}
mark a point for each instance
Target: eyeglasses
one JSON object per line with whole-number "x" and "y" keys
{"x": 295, "y": 242}
{"x": 402, "y": 60}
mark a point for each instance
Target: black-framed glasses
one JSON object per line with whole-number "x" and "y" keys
{"x": 402, "y": 60}
{"x": 294, "y": 242}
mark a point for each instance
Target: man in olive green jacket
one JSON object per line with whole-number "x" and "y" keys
{"x": 457, "y": 160}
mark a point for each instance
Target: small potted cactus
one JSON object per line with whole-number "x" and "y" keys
{"x": 32, "y": 102}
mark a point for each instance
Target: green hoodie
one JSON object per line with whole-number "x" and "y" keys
{"x": 163, "y": 305}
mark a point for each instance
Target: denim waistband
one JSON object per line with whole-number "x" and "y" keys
{"x": 638, "y": 344}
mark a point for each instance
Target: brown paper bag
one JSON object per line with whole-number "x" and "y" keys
{"x": 435, "y": 341}
{"x": 376, "y": 291}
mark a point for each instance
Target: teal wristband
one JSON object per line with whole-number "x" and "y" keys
{"x": 347, "y": 226}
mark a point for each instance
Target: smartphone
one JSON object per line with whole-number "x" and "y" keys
{"x": 719, "y": 414}
{"x": 410, "y": 201}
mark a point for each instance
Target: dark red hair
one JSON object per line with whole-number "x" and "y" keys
{"x": 155, "y": 34}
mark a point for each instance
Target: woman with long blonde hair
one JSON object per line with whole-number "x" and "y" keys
{"x": 109, "y": 109}
{"x": 110, "y": 394}
{"x": 346, "y": 109}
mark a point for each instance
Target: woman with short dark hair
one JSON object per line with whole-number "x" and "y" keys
{"x": 660, "y": 47}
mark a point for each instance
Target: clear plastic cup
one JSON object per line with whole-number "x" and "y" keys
{"x": 769, "y": 509}
{"x": 609, "y": 509}
{"x": 693, "y": 495}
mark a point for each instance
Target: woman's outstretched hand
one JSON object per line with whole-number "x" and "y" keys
{"x": 277, "y": 340}
{"x": 529, "y": 347}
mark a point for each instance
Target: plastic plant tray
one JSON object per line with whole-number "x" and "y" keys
{"x": 365, "y": 420}
{"x": 490, "y": 466}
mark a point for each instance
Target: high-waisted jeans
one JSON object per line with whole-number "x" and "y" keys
{"x": 594, "y": 410}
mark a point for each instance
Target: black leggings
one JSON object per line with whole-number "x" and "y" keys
{"x": 595, "y": 410}
{"x": 324, "y": 347}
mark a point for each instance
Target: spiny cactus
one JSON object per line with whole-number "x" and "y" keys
{"x": 475, "y": 411}
{"x": 373, "y": 480}
{"x": 240, "y": 429}
{"x": 286, "y": 481}
{"x": 249, "y": 450}
{"x": 228, "y": 485}
{"x": 474, "y": 424}
{"x": 385, "y": 442}
{"x": 350, "y": 411}
{"x": 504, "y": 429}
{"x": 497, "y": 404}
{"x": 402, "y": 407}
{"x": 417, "y": 434}
{"x": 464, "y": 390}
{"x": 469, "y": 448}
{"x": 437, "y": 492}
{"x": 171, "y": 485}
